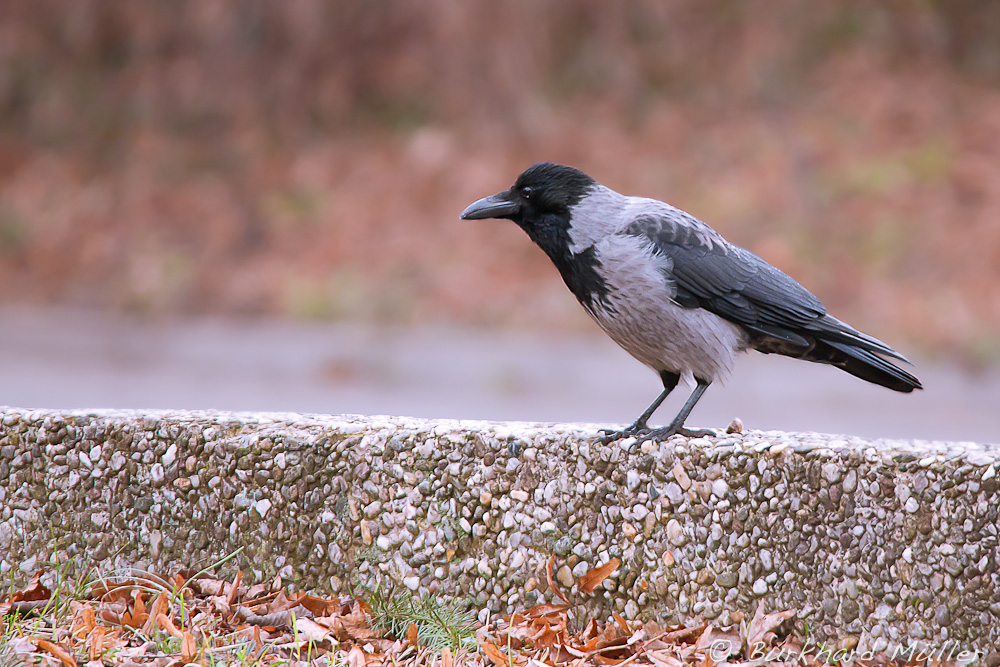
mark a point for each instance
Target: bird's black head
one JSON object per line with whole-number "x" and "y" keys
{"x": 541, "y": 202}
{"x": 543, "y": 192}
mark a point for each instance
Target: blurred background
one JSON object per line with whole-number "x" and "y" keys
{"x": 254, "y": 205}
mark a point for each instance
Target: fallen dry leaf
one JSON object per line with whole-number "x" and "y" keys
{"x": 350, "y": 627}
{"x": 662, "y": 658}
{"x": 33, "y": 597}
{"x": 705, "y": 639}
{"x": 189, "y": 647}
{"x": 159, "y": 606}
{"x": 233, "y": 589}
{"x": 496, "y": 656}
{"x": 684, "y": 634}
{"x": 96, "y": 643}
{"x": 317, "y": 605}
{"x": 763, "y": 623}
{"x": 340, "y": 631}
{"x": 639, "y": 635}
{"x": 58, "y": 651}
{"x": 356, "y": 657}
{"x": 163, "y": 621}
{"x": 592, "y": 579}
{"x": 411, "y": 634}
{"x": 622, "y": 623}
{"x": 310, "y": 631}
{"x": 84, "y": 619}
{"x": 138, "y": 616}
{"x": 281, "y": 602}
{"x": 36, "y": 590}
{"x": 726, "y": 644}
{"x": 112, "y": 612}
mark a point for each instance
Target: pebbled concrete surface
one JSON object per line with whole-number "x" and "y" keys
{"x": 876, "y": 543}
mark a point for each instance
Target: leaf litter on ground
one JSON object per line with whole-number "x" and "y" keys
{"x": 141, "y": 618}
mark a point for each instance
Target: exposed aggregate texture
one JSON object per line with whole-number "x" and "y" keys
{"x": 877, "y": 543}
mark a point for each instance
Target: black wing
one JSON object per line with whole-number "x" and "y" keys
{"x": 780, "y": 315}
{"x": 707, "y": 272}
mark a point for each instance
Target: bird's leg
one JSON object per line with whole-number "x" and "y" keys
{"x": 677, "y": 425}
{"x": 639, "y": 426}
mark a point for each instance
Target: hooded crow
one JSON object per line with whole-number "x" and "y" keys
{"x": 673, "y": 293}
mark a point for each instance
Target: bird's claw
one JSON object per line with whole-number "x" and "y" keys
{"x": 642, "y": 433}
{"x": 636, "y": 430}
{"x": 670, "y": 431}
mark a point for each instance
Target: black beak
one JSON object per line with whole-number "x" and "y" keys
{"x": 494, "y": 206}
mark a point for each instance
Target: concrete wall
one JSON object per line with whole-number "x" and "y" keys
{"x": 875, "y": 542}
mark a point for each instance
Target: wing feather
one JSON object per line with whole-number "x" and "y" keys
{"x": 708, "y": 272}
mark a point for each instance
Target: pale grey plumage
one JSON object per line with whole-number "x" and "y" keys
{"x": 640, "y": 313}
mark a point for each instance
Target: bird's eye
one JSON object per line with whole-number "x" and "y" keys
{"x": 526, "y": 191}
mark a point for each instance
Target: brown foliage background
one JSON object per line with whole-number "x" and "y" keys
{"x": 310, "y": 159}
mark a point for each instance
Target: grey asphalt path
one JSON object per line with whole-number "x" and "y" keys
{"x": 79, "y": 359}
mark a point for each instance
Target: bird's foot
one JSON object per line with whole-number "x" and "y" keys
{"x": 641, "y": 432}
{"x": 659, "y": 434}
{"x": 637, "y": 430}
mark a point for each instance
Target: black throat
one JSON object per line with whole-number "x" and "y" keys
{"x": 579, "y": 271}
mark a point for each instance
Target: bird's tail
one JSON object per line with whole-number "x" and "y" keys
{"x": 859, "y": 354}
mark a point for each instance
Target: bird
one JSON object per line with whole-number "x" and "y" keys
{"x": 673, "y": 293}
